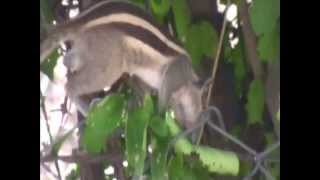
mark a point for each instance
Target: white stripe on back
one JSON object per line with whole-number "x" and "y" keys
{"x": 136, "y": 21}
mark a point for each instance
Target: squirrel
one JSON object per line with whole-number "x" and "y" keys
{"x": 112, "y": 38}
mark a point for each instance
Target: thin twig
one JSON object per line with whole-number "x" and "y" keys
{"x": 65, "y": 113}
{"x": 78, "y": 125}
{"x": 216, "y": 63}
{"x": 44, "y": 166}
{"x": 49, "y": 132}
{"x": 43, "y": 107}
{"x": 83, "y": 158}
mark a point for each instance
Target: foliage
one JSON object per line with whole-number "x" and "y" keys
{"x": 218, "y": 161}
{"x": 255, "y": 105}
{"x": 159, "y": 169}
{"x": 269, "y": 45}
{"x": 57, "y": 145}
{"x": 46, "y": 18}
{"x": 45, "y": 12}
{"x": 264, "y": 17}
{"x": 182, "y": 18}
{"x": 136, "y": 132}
{"x": 106, "y": 116}
{"x": 74, "y": 174}
{"x": 236, "y": 57}
{"x": 202, "y": 41}
{"x": 102, "y": 120}
{"x": 144, "y": 127}
{"x": 160, "y": 8}
{"x": 47, "y": 66}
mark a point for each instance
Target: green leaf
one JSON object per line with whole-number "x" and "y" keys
{"x": 264, "y": 15}
{"x": 158, "y": 126}
{"x": 176, "y": 170}
{"x": 200, "y": 172}
{"x": 193, "y": 45}
{"x": 245, "y": 168}
{"x": 275, "y": 170}
{"x": 179, "y": 170}
{"x": 209, "y": 39}
{"x": 236, "y": 130}
{"x": 45, "y": 12}
{"x": 255, "y": 104}
{"x": 136, "y": 132}
{"x": 182, "y": 145}
{"x": 270, "y": 137}
{"x": 237, "y": 59}
{"x": 158, "y": 161}
{"x": 160, "y": 7}
{"x": 269, "y": 46}
{"x": 49, "y": 64}
{"x": 148, "y": 105}
{"x": 202, "y": 40}
{"x": 189, "y": 174}
{"x": 218, "y": 161}
{"x": 102, "y": 120}
{"x": 182, "y": 18}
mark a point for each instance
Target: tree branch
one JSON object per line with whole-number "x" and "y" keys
{"x": 272, "y": 82}
{"x": 250, "y": 41}
{"x": 273, "y": 93}
{"x": 115, "y": 148}
{"x": 76, "y": 158}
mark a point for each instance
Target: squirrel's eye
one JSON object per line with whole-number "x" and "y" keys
{"x": 68, "y": 45}
{"x": 72, "y": 62}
